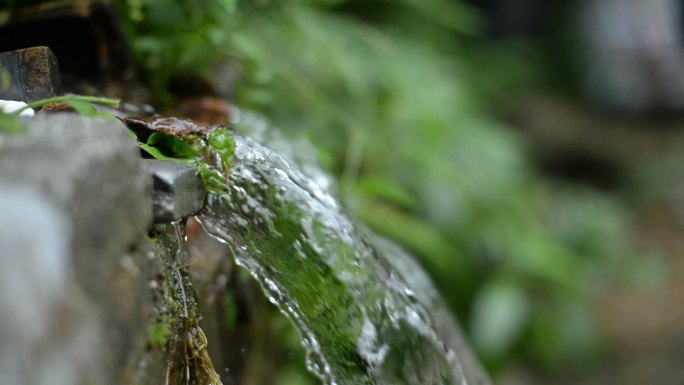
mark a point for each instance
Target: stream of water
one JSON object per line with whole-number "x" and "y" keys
{"x": 366, "y": 312}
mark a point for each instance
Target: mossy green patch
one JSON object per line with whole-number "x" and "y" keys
{"x": 158, "y": 332}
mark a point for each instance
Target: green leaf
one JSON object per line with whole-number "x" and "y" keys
{"x": 453, "y": 15}
{"x": 82, "y": 107}
{"x": 171, "y": 147}
{"x": 69, "y": 99}
{"x": 230, "y": 6}
{"x": 157, "y": 154}
{"x": 500, "y": 312}
{"x": 221, "y": 141}
{"x": 385, "y": 189}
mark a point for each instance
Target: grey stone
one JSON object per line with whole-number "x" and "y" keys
{"x": 35, "y": 289}
{"x": 178, "y": 190}
{"x": 91, "y": 172}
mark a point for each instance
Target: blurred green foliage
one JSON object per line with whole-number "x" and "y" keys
{"x": 394, "y": 96}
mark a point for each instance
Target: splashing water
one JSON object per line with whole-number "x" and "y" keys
{"x": 360, "y": 320}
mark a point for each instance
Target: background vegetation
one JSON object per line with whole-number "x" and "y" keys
{"x": 395, "y": 95}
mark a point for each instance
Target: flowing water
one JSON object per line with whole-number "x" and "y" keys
{"x": 366, "y": 312}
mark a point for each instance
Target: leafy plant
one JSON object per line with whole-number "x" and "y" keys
{"x": 80, "y": 103}
{"x": 168, "y": 147}
{"x": 387, "y": 93}
{"x": 158, "y": 145}
{"x": 174, "y": 37}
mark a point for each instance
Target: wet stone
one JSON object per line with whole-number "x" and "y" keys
{"x": 165, "y": 125}
{"x": 178, "y": 190}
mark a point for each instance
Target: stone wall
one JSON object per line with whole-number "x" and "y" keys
{"x": 75, "y": 209}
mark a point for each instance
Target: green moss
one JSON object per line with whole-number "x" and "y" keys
{"x": 177, "y": 330}
{"x": 158, "y": 332}
{"x": 223, "y": 143}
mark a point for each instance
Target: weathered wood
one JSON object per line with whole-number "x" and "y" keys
{"x": 29, "y": 74}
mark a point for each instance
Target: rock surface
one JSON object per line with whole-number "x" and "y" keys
{"x": 35, "y": 288}
{"x": 178, "y": 190}
{"x": 76, "y": 209}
